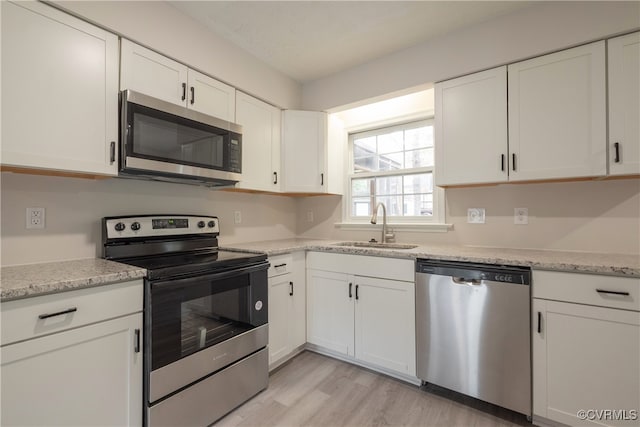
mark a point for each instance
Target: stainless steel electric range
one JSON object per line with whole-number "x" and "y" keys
{"x": 205, "y": 316}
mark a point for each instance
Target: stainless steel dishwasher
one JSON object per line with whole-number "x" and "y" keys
{"x": 473, "y": 330}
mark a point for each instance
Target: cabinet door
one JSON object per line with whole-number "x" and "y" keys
{"x": 303, "y": 151}
{"x": 279, "y": 317}
{"x": 260, "y": 143}
{"x": 59, "y": 91}
{"x": 471, "y": 128}
{"x": 385, "y": 323}
{"x": 557, "y": 115}
{"x": 585, "y": 357}
{"x": 145, "y": 71}
{"x": 624, "y": 105}
{"x": 210, "y": 96}
{"x": 330, "y": 311}
{"x": 86, "y": 376}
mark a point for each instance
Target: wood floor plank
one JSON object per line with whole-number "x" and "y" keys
{"x": 313, "y": 390}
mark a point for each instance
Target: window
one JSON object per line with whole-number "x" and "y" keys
{"x": 393, "y": 165}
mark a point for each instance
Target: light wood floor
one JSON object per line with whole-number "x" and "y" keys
{"x": 315, "y": 390}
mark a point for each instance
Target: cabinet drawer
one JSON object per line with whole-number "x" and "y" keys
{"x": 281, "y": 264}
{"x": 591, "y": 289}
{"x": 21, "y": 318}
{"x": 361, "y": 265}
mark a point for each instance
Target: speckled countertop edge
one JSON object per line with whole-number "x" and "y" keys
{"x": 578, "y": 262}
{"x": 24, "y": 281}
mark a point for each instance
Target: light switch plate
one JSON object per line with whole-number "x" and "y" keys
{"x": 475, "y": 215}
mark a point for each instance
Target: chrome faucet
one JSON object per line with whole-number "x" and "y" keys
{"x": 374, "y": 218}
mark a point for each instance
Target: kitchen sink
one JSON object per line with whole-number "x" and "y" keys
{"x": 377, "y": 245}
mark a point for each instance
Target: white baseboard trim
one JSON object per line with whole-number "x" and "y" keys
{"x": 321, "y": 350}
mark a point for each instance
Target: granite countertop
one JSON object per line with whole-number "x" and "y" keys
{"x": 579, "y": 262}
{"x": 31, "y": 280}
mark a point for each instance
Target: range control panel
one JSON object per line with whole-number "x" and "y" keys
{"x": 160, "y": 225}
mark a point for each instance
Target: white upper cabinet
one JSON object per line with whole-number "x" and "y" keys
{"x": 624, "y": 105}
{"x": 209, "y": 96}
{"x": 59, "y": 91}
{"x": 260, "y": 143}
{"x": 313, "y": 147}
{"x": 471, "y": 128}
{"x": 304, "y": 137}
{"x": 557, "y": 115}
{"x": 148, "y": 72}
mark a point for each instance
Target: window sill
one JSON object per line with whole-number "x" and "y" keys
{"x": 424, "y": 227}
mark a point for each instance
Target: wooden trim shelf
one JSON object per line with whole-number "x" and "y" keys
{"x": 51, "y": 172}
{"x": 541, "y": 181}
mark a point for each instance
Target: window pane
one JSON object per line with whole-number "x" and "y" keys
{"x": 361, "y": 206}
{"x": 366, "y": 164}
{"x": 419, "y": 183}
{"x": 392, "y": 161}
{"x": 419, "y": 158}
{"x": 361, "y": 187}
{"x": 365, "y": 145}
{"x": 390, "y": 142}
{"x": 389, "y": 185}
{"x": 393, "y": 205}
{"x": 418, "y": 138}
{"x": 418, "y": 205}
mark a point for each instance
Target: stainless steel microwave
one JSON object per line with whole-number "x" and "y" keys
{"x": 164, "y": 141}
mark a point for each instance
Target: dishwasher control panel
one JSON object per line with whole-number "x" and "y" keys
{"x": 474, "y": 271}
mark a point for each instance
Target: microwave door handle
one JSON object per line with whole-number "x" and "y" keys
{"x": 181, "y": 283}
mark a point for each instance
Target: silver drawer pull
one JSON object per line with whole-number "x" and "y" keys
{"x": 603, "y": 291}
{"x": 59, "y": 313}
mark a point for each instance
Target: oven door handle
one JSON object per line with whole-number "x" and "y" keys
{"x": 181, "y": 283}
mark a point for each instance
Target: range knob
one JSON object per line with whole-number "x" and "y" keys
{"x": 135, "y": 226}
{"x": 200, "y": 224}
{"x": 211, "y": 224}
{"x": 120, "y": 226}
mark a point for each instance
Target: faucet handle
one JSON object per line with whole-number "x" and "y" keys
{"x": 390, "y": 236}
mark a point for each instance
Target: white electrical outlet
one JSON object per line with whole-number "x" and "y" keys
{"x": 475, "y": 215}
{"x": 521, "y": 216}
{"x": 35, "y": 218}
{"x": 237, "y": 217}
{"x": 309, "y": 216}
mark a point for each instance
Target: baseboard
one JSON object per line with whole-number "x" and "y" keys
{"x": 321, "y": 350}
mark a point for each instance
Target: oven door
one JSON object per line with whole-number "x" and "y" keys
{"x": 201, "y": 324}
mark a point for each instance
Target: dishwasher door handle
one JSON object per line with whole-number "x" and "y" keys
{"x": 463, "y": 281}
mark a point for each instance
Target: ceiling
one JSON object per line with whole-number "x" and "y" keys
{"x": 308, "y": 40}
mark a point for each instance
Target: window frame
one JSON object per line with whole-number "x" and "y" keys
{"x": 438, "y": 216}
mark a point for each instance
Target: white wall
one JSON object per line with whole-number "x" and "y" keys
{"x": 593, "y": 216}
{"x": 532, "y": 31}
{"x": 74, "y": 208}
{"x": 161, "y": 27}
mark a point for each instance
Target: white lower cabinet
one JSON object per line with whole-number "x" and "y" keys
{"x": 80, "y": 376}
{"x": 287, "y": 311}
{"x": 369, "y": 319}
{"x": 586, "y": 358}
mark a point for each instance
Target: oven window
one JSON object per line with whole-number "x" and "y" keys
{"x": 164, "y": 137}
{"x": 209, "y": 320}
{"x": 201, "y": 314}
